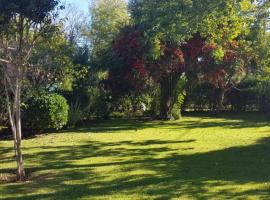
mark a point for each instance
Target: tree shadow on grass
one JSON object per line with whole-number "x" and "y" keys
{"x": 203, "y": 121}
{"x": 175, "y": 175}
{"x": 235, "y": 121}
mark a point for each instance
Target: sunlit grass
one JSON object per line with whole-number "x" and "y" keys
{"x": 197, "y": 158}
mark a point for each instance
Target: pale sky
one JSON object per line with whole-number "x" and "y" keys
{"x": 81, "y": 4}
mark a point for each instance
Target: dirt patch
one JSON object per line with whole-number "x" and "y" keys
{"x": 12, "y": 178}
{"x": 8, "y": 178}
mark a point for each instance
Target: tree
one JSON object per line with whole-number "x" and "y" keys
{"x": 242, "y": 55}
{"x": 136, "y": 68}
{"x": 53, "y": 65}
{"x": 75, "y": 21}
{"x": 107, "y": 17}
{"x": 188, "y": 25}
{"x": 227, "y": 73}
{"x": 22, "y": 22}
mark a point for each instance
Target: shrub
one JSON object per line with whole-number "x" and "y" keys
{"x": 47, "y": 111}
{"x": 264, "y": 96}
{"x": 3, "y": 110}
{"x": 75, "y": 114}
{"x": 179, "y": 99}
{"x": 125, "y": 106}
{"x": 176, "y": 114}
{"x": 117, "y": 115}
{"x": 245, "y": 96}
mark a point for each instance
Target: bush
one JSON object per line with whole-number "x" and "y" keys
{"x": 245, "y": 96}
{"x": 179, "y": 99}
{"x": 125, "y": 106}
{"x": 176, "y": 113}
{"x": 75, "y": 114}
{"x": 47, "y": 111}
{"x": 3, "y": 110}
{"x": 117, "y": 115}
{"x": 264, "y": 96}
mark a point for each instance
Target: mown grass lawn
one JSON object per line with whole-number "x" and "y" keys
{"x": 197, "y": 158}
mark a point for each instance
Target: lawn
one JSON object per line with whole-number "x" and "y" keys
{"x": 199, "y": 157}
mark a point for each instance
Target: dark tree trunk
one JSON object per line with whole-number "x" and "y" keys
{"x": 167, "y": 95}
{"x": 221, "y": 96}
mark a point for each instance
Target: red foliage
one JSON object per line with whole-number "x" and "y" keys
{"x": 130, "y": 48}
{"x": 194, "y": 46}
{"x": 218, "y": 73}
{"x": 216, "y": 77}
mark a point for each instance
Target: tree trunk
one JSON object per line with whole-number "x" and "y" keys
{"x": 167, "y": 96}
{"x": 19, "y": 158}
{"x": 220, "y": 106}
{"x": 14, "y": 110}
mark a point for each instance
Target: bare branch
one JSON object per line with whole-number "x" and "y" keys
{"x": 4, "y": 61}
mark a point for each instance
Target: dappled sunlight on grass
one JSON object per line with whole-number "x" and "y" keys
{"x": 199, "y": 157}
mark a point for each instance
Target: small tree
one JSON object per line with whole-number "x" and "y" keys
{"x": 22, "y": 22}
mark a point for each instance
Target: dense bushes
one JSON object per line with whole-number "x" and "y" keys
{"x": 46, "y": 111}
{"x": 263, "y": 89}
{"x": 200, "y": 96}
{"x": 245, "y": 97}
{"x": 252, "y": 94}
{"x": 3, "y": 110}
{"x": 75, "y": 114}
{"x": 179, "y": 98}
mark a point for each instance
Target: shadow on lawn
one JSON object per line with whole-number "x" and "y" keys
{"x": 174, "y": 175}
{"x": 236, "y": 121}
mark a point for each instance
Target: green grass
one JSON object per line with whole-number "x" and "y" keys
{"x": 197, "y": 158}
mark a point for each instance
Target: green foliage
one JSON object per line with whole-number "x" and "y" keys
{"x": 263, "y": 88}
{"x": 200, "y": 96}
{"x": 155, "y": 103}
{"x": 107, "y": 17}
{"x": 46, "y": 111}
{"x": 75, "y": 114}
{"x": 3, "y": 109}
{"x": 220, "y": 22}
{"x": 176, "y": 113}
{"x": 180, "y": 97}
{"x": 125, "y": 105}
{"x": 37, "y": 11}
{"x": 3, "y": 106}
{"x": 261, "y": 48}
{"x": 101, "y": 104}
{"x": 53, "y": 60}
{"x": 246, "y": 96}
{"x": 117, "y": 115}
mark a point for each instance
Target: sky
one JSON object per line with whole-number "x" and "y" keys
{"x": 81, "y": 4}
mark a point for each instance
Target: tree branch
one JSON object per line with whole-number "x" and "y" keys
{"x": 4, "y": 61}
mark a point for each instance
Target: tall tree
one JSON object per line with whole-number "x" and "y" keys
{"x": 22, "y": 22}
{"x": 107, "y": 17}
{"x": 75, "y": 21}
{"x": 178, "y": 23}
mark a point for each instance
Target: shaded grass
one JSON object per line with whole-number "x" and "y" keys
{"x": 200, "y": 157}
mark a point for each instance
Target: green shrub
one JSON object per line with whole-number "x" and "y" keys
{"x": 176, "y": 113}
{"x": 75, "y": 114}
{"x": 3, "y": 110}
{"x": 179, "y": 99}
{"x": 117, "y": 115}
{"x": 264, "y": 96}
{"x": 47, "y": 111}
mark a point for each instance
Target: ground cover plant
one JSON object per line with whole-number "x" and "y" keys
{"x": 200, "y": 157}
